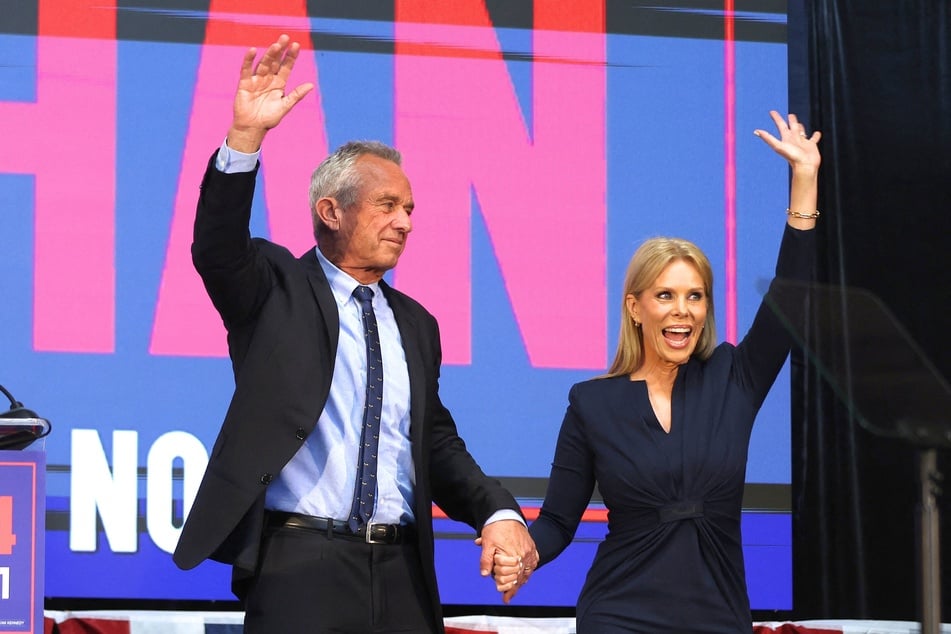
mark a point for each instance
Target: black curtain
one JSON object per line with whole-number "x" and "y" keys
{"x": 875, "y": 77}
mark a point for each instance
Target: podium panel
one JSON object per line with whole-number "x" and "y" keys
{"x": 22, "y": 530}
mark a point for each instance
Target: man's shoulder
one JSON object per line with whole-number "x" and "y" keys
{"x": 401, "y": 301}
{"x": 277, "y": 252}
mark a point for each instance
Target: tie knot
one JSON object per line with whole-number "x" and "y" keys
{"x": 364, "y": 295}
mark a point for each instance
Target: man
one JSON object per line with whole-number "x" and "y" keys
{"x": 320, "y": 485}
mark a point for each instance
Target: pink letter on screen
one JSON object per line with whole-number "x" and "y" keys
{"x": 185, "y": 321}
{"x": 541, "y": 187}
{"x": 67, "y": 140}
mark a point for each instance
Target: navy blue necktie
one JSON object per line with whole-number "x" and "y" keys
{"x": 365, "y": 488}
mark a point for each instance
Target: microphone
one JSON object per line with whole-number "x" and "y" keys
{"x": 19, "y": 426}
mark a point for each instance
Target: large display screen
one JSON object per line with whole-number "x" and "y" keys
{"x": 543, "y": 141}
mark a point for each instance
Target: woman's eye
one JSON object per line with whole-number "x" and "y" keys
{"x": 663, "y": 295}
{"x": 696, "y": 296}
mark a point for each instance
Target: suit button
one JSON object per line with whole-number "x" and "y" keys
{"x": 266, "y": 478}
{"x": 301, "y": 434}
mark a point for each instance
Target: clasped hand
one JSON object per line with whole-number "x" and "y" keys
{"x": 508, "y": 555}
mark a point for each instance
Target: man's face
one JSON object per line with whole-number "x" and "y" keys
{"x": 373, "y": 232}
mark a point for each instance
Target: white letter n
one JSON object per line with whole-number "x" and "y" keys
{"x": 93, "y": 487}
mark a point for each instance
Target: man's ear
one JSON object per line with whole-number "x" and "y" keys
{"x": 328, "y": 212}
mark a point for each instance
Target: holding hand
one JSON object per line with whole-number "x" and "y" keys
{"x": 261, "y": 100}
{"x": 511, "y": 573}
{"x": 507, "y": 541}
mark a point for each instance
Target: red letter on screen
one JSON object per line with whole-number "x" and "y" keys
{"x": 185, "y": 321}
{"x": 67, "y": 140}
{"x": 541, "y": 186}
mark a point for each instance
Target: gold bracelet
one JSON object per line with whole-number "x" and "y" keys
{"x": 796, "y": 214}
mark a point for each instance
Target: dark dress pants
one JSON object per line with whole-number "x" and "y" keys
{"x": 314, "y": 583}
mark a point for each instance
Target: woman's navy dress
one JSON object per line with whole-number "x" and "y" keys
{"x": 672, "y": 560}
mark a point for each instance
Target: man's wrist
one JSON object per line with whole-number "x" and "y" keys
{"x": 505, "y": 514}
{"x": 247, "y": 140}
{"x": 232, "y": 161}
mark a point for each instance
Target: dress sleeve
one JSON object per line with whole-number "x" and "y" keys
{"x": 570, "y": 485}
{"x": 762, "y": 352}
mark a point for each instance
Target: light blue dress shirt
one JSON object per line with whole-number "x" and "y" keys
{"x": 319, "y": 479}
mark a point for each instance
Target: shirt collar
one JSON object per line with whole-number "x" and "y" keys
{"x": 341, "y": 283}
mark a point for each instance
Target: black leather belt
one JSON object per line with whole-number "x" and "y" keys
{"x": 333, "y": 529}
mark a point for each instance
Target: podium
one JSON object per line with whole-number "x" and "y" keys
{"x": 887, "y": 383}
{"x": 22, "y": 519}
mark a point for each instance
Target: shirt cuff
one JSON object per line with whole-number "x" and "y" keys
{"x": 504, "y": 514}
{"x": 232, "y": 161}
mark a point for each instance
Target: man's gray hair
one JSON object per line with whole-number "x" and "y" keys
{"x": 336, "y": 176}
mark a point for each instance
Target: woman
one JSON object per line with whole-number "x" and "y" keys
{"x": 665, "y": 436}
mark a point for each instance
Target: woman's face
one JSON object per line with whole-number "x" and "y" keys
{"x": 672, "y": 312}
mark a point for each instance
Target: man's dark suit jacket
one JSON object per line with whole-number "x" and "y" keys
{"x": 282, "y": 327}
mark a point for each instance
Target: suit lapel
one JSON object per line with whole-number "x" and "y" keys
{"x": 325, "y": 298}
{"x": 410, "y": 335}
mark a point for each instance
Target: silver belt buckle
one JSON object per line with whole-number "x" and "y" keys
{"x": 368, "y": 536}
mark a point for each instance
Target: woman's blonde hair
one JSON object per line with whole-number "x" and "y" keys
{"x": 646, "y": 265}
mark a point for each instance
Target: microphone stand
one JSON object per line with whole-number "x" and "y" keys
{"x": 19, "y": 426}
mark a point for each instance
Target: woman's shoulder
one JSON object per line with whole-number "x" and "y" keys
{"x": 599, "y": 386}
{"x": 722, "y": 355}
{"x": 724, "y": 350}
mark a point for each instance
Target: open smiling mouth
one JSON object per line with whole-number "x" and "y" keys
{"x": 677, "y": 336}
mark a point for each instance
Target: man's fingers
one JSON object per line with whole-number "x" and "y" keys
{"x": 485, "y": 560}
{"x": 297, "y": 94}
{"x": 290, "y": 57}
{"x": 503, "y": 559}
